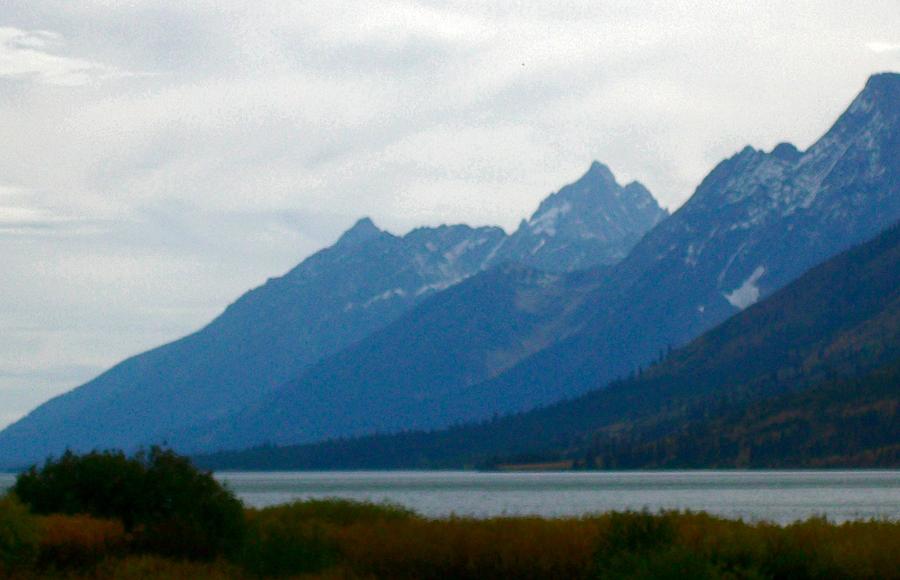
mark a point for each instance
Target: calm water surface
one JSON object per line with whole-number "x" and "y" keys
{"x": 780, "y": 496}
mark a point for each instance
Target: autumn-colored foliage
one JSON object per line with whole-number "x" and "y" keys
{"x": 364, "y": 540}
{"x": 343, "y": 539}
{"x": 302, "y": 537}
{"x": 472, "y": 548}
{"x": 79, "y": 541}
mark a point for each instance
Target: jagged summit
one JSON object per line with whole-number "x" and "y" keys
{"x": 884, "y": 80}
{"x": 874, "y": 111}
{"x": 601, "y": 172}
{"x": 596, "y": 190}
{"x": 881, "y": 91}
{"x": 786, "y": 152}
{"x": 362, "y": 231}
{"x": 599, "y": 178}
{"x": 637, "y": 186}
{"x": 642, "y": 198}
{"x": 590, "y": 222}
{"x": 836, "y": 193}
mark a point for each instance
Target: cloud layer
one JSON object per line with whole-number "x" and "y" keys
{"x": 24, "y": 54}
{"x": 157, "y": 158}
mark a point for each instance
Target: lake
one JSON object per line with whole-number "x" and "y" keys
{"x": 779, "y": 496}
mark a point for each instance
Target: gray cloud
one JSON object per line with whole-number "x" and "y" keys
{"x": 134, "y": 207}
{"x": 30, "y": 54}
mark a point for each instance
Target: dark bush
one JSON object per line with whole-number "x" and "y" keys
{"x": 283, "y": 546}
{"x": 18, "y": 536}
{"x": 105, "y": 485}
{"x": 166, "y": 504}
{"x": 639, "y": 532}
{"x": 639, "y": 545}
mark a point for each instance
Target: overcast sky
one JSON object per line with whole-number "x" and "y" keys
{"x": 158, "y": 159}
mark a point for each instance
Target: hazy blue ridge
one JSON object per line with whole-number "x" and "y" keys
{"x": 330, "y": 301}
{"x": 808, "y": 376}
{"x": 755, "y": 223}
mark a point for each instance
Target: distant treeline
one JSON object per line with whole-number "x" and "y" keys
{"x": 835, "y": 423}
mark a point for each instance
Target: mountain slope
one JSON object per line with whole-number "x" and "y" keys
{"x": 407, "y": 372}
{"x": 850, "y": 422}
{"x": 332, "y": 300}
{"x": 797, "y": 351}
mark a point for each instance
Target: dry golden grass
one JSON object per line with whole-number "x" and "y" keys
{"x": 470, "y": 548}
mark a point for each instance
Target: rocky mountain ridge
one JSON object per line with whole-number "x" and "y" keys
{"x": 333, "y": 299}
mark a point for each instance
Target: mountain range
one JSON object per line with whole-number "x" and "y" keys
{"x": 807, "y": 377}
{"x": 453, "y": 324}
{"x": 332, "y": 300}
{"x": 756, "y": 222}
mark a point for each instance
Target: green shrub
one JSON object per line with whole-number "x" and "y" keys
{"x": 18, "y": 536}
{"x": 640, "y": 545}
{"x": 189, "y": 513}
{"x": 105, "y": 485}
{"x": 338, "y": 511}
{"x": 282, "y": 547}
{"x": 167, "y": 505}
{"x": 670, "y": 563}
{"x": 639, "y": 532}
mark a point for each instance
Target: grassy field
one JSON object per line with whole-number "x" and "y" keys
{"x": 343, "y": 539}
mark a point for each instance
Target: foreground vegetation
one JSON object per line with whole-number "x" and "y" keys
{"x": 63, "y": 527}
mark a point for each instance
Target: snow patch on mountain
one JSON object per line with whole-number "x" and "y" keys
{"x": 730, "y": 262}
{"x": 747, "y": 293}
{"x": 490, "y": 257}
{"x": 439, "y": 285}
{"x": 454, "y": 253}
{"x": 387, "y": 295}
{"x": 546, "y": 222}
